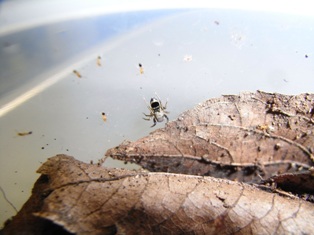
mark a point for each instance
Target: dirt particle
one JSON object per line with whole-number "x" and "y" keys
{"x": 24, "y": 133}
{"x": 277, "y": 146}
{"x": 103, "y": 116}
{"x": 77, "y": 73}
{"x": 99, "y": 60}
{"x": 141, "y": 68}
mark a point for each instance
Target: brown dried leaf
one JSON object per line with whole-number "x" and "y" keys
{"x": 87, "y": 199}
{"x": 299, "y": 183}
{"x": 242, "y": 138}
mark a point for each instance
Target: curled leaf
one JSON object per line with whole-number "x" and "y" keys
{"x": 242, "y": 137}
{"x": 299, "y": 183}
{"x": 87, "y": 199}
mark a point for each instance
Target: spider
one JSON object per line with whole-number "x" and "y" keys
{"x": 157, "y": 111}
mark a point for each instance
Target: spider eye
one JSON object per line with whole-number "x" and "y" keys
{"x": 155, "y": 104}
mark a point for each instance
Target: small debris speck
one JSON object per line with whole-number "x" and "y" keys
{"x": 277, "y": 146}
{"x": 24, "y": 133}
{"x": 99, "y": 60}
{"x": 77, "y": 73}
{"x": 187, "y": 58}
{"x": 141, "y": 68}
{"x": 104, "y": 117}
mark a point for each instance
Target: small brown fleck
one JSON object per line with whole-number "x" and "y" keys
{"x": 104, "y": 117}
{"x": 277, "y": 146}
{"x": 141, "y": 68}
{"x": 77, "y": 73}
{"x": 99, "y": 60}
{"x": 24, "y": 133}
{"x": 231, "y": 117}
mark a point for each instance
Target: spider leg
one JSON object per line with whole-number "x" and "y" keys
{"x": 145, "y": 101}
{"x": 166, "y": 117}
{"x": 158, "y": 97}
{"x": 165, "y": 107}
{"x": 148, "y": 115}
{"x": 154, "y": 122}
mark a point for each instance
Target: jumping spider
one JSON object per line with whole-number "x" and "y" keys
{"x": 157, "y": 111}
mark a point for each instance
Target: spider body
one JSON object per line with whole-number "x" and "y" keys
{"x": 157, "y": 111}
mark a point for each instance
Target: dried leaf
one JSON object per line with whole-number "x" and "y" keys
{"x": 242, "y": 138}
{"x": 87, "y": 199}
{"x": 300, "y": 183}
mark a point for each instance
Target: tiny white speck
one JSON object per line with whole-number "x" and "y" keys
{"x": 187, "y": 58}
